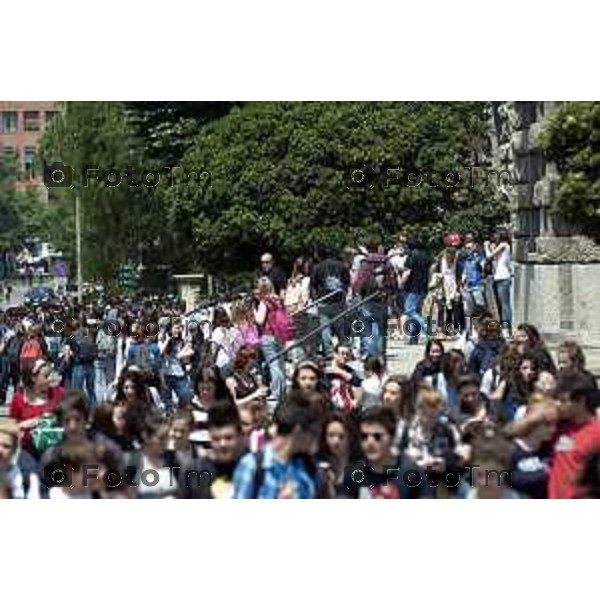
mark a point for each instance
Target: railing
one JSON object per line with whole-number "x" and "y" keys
{"x": 235, "y": 294}
{"x": 216, "y": 299}
{"x": 318, "y": 330}
{"x": 317, "y": 301}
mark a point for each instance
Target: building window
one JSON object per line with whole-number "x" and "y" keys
{"x": 28, "y": 155}
{"x": 8, "y": 121}
{"x": 28, "y": 160}
{"x": 50, "y": 114}
{"x": 7, "y": 155}
{"x": 32, "y": 120}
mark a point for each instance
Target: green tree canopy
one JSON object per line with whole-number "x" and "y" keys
{"x": 119, "y": 211}
{"x": 22, "y": 213}
{"x": 168, "y": 129}
{"x": 280, "y": 178}
{"x": 571, "y": 139}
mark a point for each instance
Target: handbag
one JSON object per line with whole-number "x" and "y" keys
{"x": 250, "y": 335}
{"x": 46, "y": 433}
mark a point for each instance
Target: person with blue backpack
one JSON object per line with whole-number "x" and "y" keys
{"x": 472, "y": 262}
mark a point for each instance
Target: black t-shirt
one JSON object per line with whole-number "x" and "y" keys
{"x": 356, "y": 381}
{"x": 402, "y": 480}
{"x": 418, "y": 264}
{"x": 277, "y": 277}
{"x": 328, "y": 276}
{"x": 216, "y": 479}
{"x": 84, "y": 349}
{"x": 529, "y": 472}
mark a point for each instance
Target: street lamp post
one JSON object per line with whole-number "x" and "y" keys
{"x": 78, "y": 248}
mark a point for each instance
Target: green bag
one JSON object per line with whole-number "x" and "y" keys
{"x": 47, "y": 433}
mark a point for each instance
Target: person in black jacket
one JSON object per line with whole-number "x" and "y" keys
{"x": 430, "y": 369}
{"x": 274, "y": 273}
{"x": 383, "y": 474}
{"x": 331, "y": 278}
{"x": 227, "y": 446}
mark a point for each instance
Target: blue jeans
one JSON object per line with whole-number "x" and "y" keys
{"x": 502, "y": 289}
{"x": 412, "y": 310}
{"x": 270, "y": 348}
{"x": 371, "y": 339}
{"x": 182, "y": 389}
{"x": 326, "y": 313}
{"x": 105, "y": 375}
{"x": 83, "y": 378}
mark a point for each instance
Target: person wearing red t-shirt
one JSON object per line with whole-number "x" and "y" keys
{"x": 38, "y": 396}
{"x": 578, "y": 435}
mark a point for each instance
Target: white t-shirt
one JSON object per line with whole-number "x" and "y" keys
{"x": 502, "y": 264}
{"x": 222, "y": 336}
{"x": 372, "y": 391}
{"x": 489, "y": 382}
{"x": 15, "y": 478}
{"x": 396, "y": 259}
{"x": 467, "y": 345}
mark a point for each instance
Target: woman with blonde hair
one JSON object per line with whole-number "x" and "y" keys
{"x": 429, "y": 439}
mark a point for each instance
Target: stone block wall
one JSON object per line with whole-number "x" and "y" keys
{"x": 557, "y": 272}
{"x": 561, "y": 300}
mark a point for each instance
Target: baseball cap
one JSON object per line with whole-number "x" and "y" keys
{"x": 453, "y": 240}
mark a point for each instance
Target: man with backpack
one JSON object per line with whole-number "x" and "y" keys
{"x": 370, "y": 323}
{"x": 33, "y": 347}
{"x": 82, "y": 352}
{"x": 285, "y": 468}
{"x": 330, "y": 279}
{"x": 472, "y": 261}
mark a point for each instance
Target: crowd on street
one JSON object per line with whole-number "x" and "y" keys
{"x": 287, "y": 391}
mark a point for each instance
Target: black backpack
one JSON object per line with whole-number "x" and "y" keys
{"x": 85, "y": 350}
{"x": 13, "y": 349}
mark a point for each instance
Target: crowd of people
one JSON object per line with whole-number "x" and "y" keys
{"x": 286, "y": 392}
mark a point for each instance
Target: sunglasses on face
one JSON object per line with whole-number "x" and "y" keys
{"x": 377, "y": 436}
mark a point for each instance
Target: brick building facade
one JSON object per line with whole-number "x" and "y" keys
{"x": 21, "y": 127}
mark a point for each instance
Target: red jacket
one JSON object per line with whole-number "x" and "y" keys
{"x": 22, "y": 410}
{"x": 572, "y": 449}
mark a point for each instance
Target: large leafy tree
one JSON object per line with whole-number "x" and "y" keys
{"x": 164, "y": 131}
{"x": 119, "y": 210}
{"x": 280, "y": 177}
{"x": 22, "y": 213}
{"x": 571, "y": 139}
{"x": 169, "y": 128}
{"x": 10, "y": 218}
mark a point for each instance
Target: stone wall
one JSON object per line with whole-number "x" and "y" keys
{"x": 557, "y": 272}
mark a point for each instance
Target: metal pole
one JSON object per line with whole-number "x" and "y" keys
{"x": 317, "y": 301}
{"x": 78, "y": 249}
